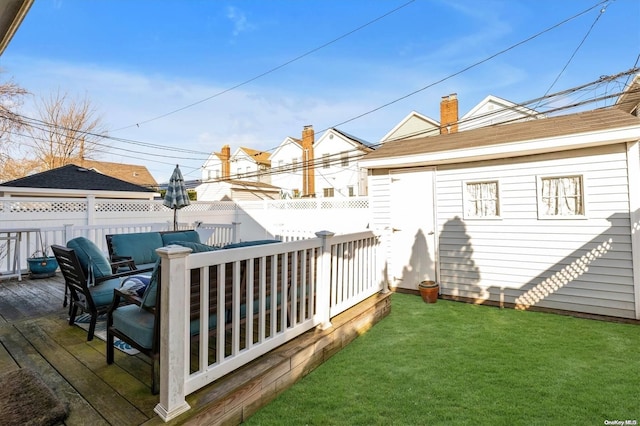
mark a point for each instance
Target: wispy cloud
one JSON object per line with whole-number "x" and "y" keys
{"x": 239, "y": 20}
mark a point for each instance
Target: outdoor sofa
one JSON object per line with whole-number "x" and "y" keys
{"x": 134, "y": 316}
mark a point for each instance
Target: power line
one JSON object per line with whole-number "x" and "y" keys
{"x": 316, "y": 163}
{"x": 297, "y": 58}
{"x": 450, "y": 76}
{"x": 602, "y": 10}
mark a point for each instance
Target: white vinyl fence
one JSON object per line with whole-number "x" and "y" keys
{"x": 29, "y": 224}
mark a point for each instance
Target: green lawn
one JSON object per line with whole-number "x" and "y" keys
{"x": 455, "y": 363}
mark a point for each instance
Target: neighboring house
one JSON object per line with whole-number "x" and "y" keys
{"x": 241, "y": 176}
{"x": 217, "y": 166}
{"x": 132, "y": 173}
{"x": 250, "y": 165}
{"x": 327, "y": 167}
{"x": 494, "y": 110}
{"x": 337, "y": 172}
{"x": 287, "y": 168}
{"x": 538, "y": 214}
{"x": 72, "y": 181}
{"x": 491, "y": 110}
{"x": 231, "y": 189}
{"x": 298, "y": 168}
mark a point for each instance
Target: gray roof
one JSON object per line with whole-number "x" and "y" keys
{"x": 596, "y": 120}
{"x": 74, "y": 177}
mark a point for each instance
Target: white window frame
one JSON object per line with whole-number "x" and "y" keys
{"x": 344, "y": 159}
{"x": 467, "y": 200}
{"x": 542, "y": 207}
{"x": 328, "y": 192}
{"x": 326, "y": 161}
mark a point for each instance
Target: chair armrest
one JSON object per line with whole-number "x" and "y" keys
{"x": 122, "y": 274}
{"x": 128, "y": 297}
{"x": 119, "y": 261}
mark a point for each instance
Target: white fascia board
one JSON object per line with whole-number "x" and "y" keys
{"x": 75, "y": 193}
{"x": 511, "y": 149}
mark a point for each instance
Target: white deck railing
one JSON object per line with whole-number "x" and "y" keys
{"x": 267, "y": 294}
{"x": 19, "y": 244}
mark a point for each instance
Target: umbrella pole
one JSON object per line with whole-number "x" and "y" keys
{"x": 175, "y": 219}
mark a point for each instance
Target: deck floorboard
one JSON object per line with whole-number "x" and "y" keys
{"x": 35, "y": 334}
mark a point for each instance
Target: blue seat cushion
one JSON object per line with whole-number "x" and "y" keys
{"x": 250, "y": 243}
{"x": 172, "y": 237}
{"x": 194, "y": 327}
{"x": 136, "y": 323}
{"x": 88, "y": 253}
{"x": 102, "y": 293}
{"x": 140, "y": 246}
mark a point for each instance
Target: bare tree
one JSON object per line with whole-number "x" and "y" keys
{"x": 67, "y": 130}
{"x": 11, "y": 122}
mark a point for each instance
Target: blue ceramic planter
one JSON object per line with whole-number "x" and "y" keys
{"x": 41, "y": 267}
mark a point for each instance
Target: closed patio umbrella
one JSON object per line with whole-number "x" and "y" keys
{"x": 176, "y": 196}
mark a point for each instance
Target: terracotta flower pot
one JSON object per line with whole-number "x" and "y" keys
{"x": 429, "y": 291}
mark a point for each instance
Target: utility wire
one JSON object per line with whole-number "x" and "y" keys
{"x": 450, "y": 76}
{"x": 353, "y": 118}
{"x": 602, "y": 10}
{"x": 272, "y": 70}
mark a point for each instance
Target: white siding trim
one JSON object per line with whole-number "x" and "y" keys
{"x": 633, "y": 167}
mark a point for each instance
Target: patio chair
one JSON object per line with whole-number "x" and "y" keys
{"x": 88, "y": 278}
{"x": 136, "y": 321}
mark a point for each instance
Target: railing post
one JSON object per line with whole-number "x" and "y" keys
{"x": 91, "y": 209}
{"x": 234, "y": 231}
{"x": 174, "y": 337}
{"x": 68, "y": 233}
{"x": 323, "y": 287}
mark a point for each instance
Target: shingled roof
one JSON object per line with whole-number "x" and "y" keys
{"x": 74, "y": 177}
{"x": 496, "y": 135}
{"x": 132, "y": 173}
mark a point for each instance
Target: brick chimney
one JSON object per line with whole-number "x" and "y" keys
{"x": 449, "y": 114}
{"x": 225, "y": 156}
{"x": 308, "y": 168}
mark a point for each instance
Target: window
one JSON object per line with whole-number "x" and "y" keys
{"x": 294, "y": 165}
{"x": 481, "y": 200}
{"x": 325, "y": 161}
{"x": 344, "y": 159}
{"x": 327, "y": 192}
{"x": 352, "y": 193}
{"x": 560, "y": 196}
{"x": 239, "y": 172}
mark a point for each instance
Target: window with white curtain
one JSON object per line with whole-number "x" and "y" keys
{"x": 561, "y": 196}
{"x": 481, "y": 200}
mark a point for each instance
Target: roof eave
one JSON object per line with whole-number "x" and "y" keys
{"x": 510, "y": 149}
{"x": 75, "y": 193}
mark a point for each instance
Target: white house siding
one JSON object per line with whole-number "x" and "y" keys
{"x": 282, "y": 173}
{"x": 414, "y": 127}
{"x": 337, "y": 176}
{"x": 580, "y": 265}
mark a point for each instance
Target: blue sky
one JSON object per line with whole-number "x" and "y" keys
{"x": 139, "y": 61}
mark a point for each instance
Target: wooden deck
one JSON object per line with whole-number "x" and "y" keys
{"x": 34, "y": 333}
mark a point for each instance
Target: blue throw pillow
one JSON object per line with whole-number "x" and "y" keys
{"x": 140, "y": 246}
{"x": 250, "y": 243}
{"x": 89, "y": 254}
{"x": 149, "y": 296}
{"x": 136, "y": 284}
{"x": 196, "y": 247}
{"x": 172, "y": 237}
